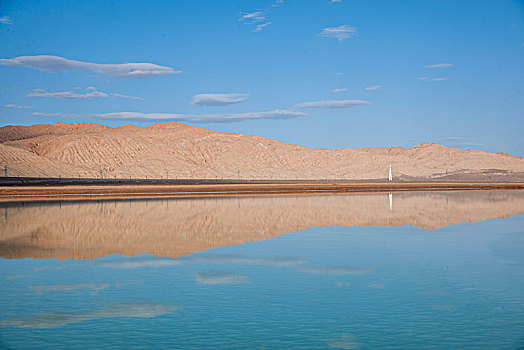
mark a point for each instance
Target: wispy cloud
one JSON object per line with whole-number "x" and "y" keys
{"x": 216, "y": 277}
{"x": 339, "y": 90}
{"x": 433, "y": 79}
{"x": 218, "y": 99}
{"x": 69, "y": 287}
{"x": 17, "y": 106}
{"x": 277, "y": 3}
{"x": 57, "y": 319}
{"x": 335, "y": 1}
{"x": 56, "y": 63}
{"x": 375, "y": 87}
{"x": 67, "y": 94}
{"x": 91, "y": 93}
{"x": 335, "y": 270}
{"x": 257, "y": 16}
{"x": 439, "y": 65}
{"x": 340, "y": 33}
{"x": 6, "y": 20}
{"x": 126, "y": 96}
{"x": 261, "y": 26}
{"x": 163, "y": 117}
{"x": 332, "y": 104}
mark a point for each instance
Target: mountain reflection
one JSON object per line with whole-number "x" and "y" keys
{"x": 178, "y": 227}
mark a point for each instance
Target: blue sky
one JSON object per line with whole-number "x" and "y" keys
{"x": 295, "y": 71}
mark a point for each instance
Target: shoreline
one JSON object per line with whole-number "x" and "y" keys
{"x": 195, "y": 188}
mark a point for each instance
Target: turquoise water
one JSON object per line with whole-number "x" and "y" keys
{"x": 391, "y": 286}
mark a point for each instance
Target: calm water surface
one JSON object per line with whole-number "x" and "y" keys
{"x": 438, "y": 270}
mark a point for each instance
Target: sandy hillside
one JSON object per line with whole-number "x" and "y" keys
{"x": 182, "y": 151}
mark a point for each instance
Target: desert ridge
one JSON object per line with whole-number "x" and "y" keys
{"x": 175, "y": 150}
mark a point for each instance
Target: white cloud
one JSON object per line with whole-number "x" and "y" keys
{"x": 126, "y": 96}
{"x": 376, "y": 87}
{"x": 57, "y": 319}
{"x": 164, "y": 117}
{"x": 423, "y": 78}
{"x": 56, "y": 63}
{"x": 17, "y": 106}
{"x": 439, "y": 65}
{"x": 277, "y": 3}
{"x": 257, "y": 16}
{"x": 220, "y": 278}
{"x": 92, "y": 93}
{"x": 5, "y": 20}
{"x": 340, "y": 90}
{"x": 218, "y": 99}
{"x": 332, "y": 104}
{"x": 67, "y": 94}
{"x": 440, "y": 79}
{"x": 340, "y": 33}
{"x": 261, "y": 26}
{"x": 335, "y": 1}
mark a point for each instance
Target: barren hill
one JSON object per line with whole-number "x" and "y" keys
{"x": 183, "y": 151}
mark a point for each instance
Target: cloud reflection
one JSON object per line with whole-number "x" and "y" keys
{"x": 243, "y": 260}
{"x": 57, "y": 319}
{"x": 217, "y": 277}
{"x": 335, "y": 270}
{"x": 202, "y": 259}
{"x": 69, "y": 287}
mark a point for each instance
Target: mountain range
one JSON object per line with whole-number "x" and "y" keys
{"x": 175, "y": 150}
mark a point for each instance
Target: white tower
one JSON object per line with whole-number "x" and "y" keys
{"x": 390, "y": 178}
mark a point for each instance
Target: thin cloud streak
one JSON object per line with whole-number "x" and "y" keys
{"x": 261, "y": 26}
{"x": 439, "y": 65}
{"x": 218, "y": 99}
{"x": 56, "y": 63}
{"x": 332, "y": 104}
{"x": 17, "y": 106}
{"x": 92, "y": 93}
{"x": 67, "y": 94}
{"x": 339, "y": 90}
{"x": 257, "y": 16}
{"x": 126, "y": 96}
{"x": 164, "y": 117}
{"x": 6, "y": 20}
{"x": 340, "y": 33}
{"x": 376, "y": 87}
